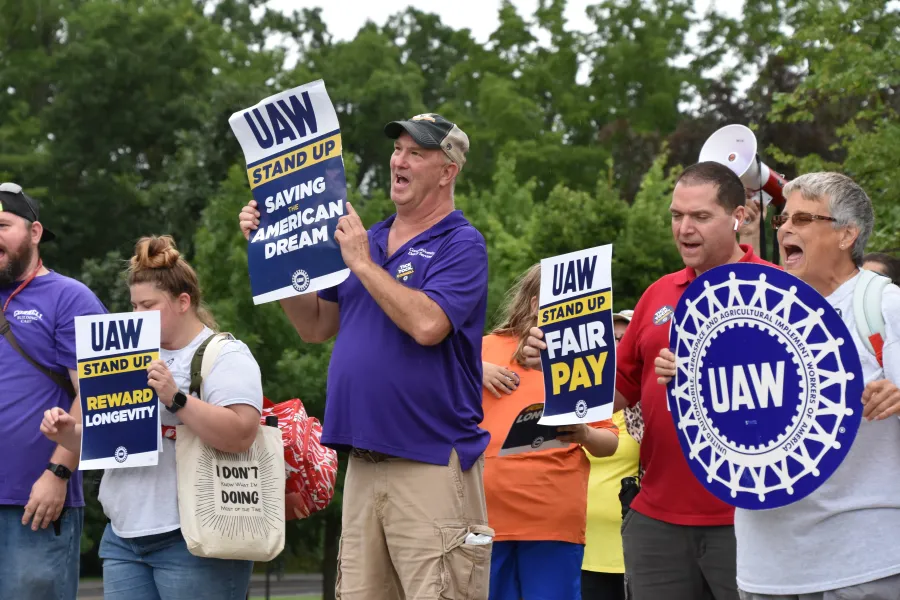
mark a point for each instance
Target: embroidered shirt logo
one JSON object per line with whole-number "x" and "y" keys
{"x": 28, "y": 316}
{"x": 420, "y": 252}
{"x": 404, "y": 271}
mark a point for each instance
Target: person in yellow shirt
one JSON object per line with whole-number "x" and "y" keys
{"x": 603, "y": 568}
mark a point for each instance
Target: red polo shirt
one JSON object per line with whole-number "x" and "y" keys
{"x": 669, "y": 490}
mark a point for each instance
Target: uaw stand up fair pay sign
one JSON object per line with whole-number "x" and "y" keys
{"x": 292, "y": 144}
{"x": 579, "y": 363}
{"x": 766, "y": 398}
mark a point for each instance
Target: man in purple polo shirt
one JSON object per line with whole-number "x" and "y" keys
{"x": 41, "y": 500}
{"x": 404, "y": 383}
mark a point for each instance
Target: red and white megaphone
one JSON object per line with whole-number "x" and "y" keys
{"x": 735, "y": 147}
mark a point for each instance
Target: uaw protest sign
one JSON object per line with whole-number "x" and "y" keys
{"x": 766, "y": 398}
{"x": 575, "y": 314}
{"x": 120, "y": 411}
{"x": 292, "y": 144}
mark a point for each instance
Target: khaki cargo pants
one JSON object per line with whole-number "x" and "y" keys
{"x": 411, "y": 531}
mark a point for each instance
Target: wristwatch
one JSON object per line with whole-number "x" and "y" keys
{"x": 61, "y": 471}
{"x": 178, "y": 402}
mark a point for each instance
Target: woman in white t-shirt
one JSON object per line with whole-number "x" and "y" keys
{"x": 144, "y": 554}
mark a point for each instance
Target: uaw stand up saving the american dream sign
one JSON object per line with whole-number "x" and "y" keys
{"x": 766, "y": 398}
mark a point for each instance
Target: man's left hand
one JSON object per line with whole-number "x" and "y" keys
{"x": 159, "y": 377}
{"x": 48, "y": 494}
{"x": 881, "y": 399}
{"x": 351, "y": 236}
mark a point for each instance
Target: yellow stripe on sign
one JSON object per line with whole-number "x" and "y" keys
{"x": 294, "y": 161}
{"x": 575, "y": 308}
{"x": 119, "y": 364}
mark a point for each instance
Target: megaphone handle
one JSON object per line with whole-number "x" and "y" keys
{"x": 762, "y": 227}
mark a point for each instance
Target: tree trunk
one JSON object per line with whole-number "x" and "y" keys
{"x": 330, "y": 554}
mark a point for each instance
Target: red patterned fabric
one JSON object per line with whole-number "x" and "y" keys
{"x": 310, "y": 467}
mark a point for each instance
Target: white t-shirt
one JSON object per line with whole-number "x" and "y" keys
{"x": 847, "y": 532}
{"x": 142, "y": 501}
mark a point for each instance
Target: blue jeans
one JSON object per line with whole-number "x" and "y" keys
{"x": 536, "y": 571}
{"x": 159, "y": 567}
{"x": 39, "y": 564}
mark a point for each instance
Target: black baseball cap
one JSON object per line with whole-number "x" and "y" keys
{"x": 16, "y": 202}
{"x": 431, "y": 130}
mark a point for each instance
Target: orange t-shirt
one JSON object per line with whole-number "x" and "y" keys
{"x": 536, "y": 496}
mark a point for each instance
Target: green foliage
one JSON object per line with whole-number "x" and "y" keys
{"x": 114, "y": 114}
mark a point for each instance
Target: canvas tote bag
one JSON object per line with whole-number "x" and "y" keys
{"x": 231, "y": 505}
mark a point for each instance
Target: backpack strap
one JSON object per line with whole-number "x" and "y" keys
{"x": 204, "y": 358}
{"x": 62, "y": 381}
{"x": 867, "y": 298}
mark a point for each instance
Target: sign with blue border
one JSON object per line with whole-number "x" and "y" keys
{"x": 766, "y": 398}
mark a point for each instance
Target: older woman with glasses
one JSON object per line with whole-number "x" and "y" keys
{"x": 843, "y": 540}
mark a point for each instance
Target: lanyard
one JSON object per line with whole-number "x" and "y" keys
{"x": 22, "y": 285}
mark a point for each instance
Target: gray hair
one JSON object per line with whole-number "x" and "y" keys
{"x": 848, "y": 203}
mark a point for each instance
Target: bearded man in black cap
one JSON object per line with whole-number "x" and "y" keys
{"x": 41, "y": 500}
{"x": 404, "y": 382}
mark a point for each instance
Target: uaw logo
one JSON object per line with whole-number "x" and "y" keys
{"x": 581, "y": 409}
{"x": 300, "y": 280}
{"x": 121, "y": 454}
{"x": 404, "y": 271}
{"x": 767, "y": 394}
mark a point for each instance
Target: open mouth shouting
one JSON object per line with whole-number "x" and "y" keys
{"x": 401, "y": 182}
{"x": 793, "y": 255}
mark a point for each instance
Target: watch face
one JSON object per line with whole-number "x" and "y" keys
{"x": 60, "y": 471}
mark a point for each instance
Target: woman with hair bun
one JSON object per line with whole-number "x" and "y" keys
{"x": 144, "y": 554}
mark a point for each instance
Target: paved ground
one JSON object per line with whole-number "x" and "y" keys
{"x": 289, "y": 585}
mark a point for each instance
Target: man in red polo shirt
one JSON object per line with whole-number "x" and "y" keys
{"x": 678, "y": 538}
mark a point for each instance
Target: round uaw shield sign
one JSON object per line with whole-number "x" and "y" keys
{"x": 767, "y": 394}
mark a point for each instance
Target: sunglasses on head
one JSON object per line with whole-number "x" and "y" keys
{"x": 16, "y": 190}
{"x": 798, "y": 218}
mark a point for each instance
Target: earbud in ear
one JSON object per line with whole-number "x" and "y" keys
{"x": 736, "y": 224}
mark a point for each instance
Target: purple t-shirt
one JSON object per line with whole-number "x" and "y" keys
{"x": 42, "y": 317}
{"x": 388, "y": 393}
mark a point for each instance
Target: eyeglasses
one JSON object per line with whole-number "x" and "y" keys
{"x": 799, "y": 219}
{"x": 16, "y": 190}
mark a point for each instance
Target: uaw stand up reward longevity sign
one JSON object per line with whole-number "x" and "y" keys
{"x": 766, "y": 398}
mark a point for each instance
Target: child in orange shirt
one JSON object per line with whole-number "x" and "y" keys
{"x": 536, "y": 501}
